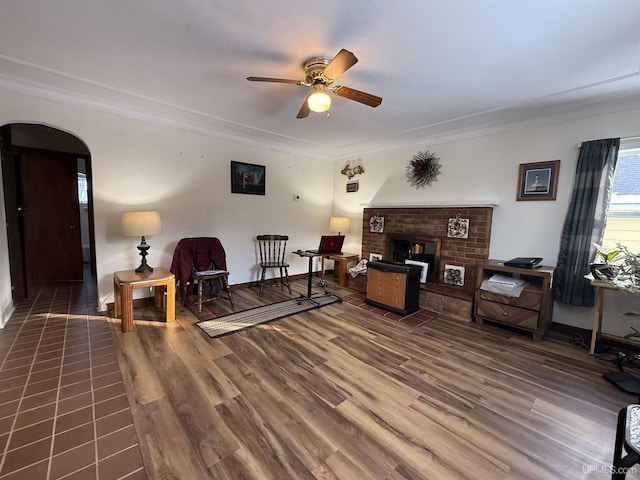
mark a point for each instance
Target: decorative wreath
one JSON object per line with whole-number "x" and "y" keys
{"x": 423, "y": 169}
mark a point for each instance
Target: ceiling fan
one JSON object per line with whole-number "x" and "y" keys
{"x": 320, "y": 73}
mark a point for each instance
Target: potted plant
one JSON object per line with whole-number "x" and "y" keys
{"x": 605, "y": 265}
{"x": 618, "y": 267}
{"x": 628, "y": 271}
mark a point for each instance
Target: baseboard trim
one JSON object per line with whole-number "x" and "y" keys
{"x": 7, "y": 311}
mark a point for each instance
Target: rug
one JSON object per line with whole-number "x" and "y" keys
{"x": 255, "y": 316}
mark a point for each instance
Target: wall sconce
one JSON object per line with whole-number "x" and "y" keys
{"x": 339, "y": 224}
{"x": 139, "y": 224}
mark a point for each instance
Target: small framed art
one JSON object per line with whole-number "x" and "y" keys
{"x": 374, "y": 257}
{"x": 376, "y": 224}
{"x": 352, "y": 186}
{"x": 247, "y": 178}
{"x": 454, "y": 275}
{"x": 423, "y": 265}
{"x": 538, "y": 181}
{"x": 458, "y": 227}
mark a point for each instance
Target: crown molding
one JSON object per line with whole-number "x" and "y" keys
{"x": 443, "y": 204}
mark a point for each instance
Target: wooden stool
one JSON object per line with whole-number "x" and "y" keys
{"x": 627, "y": 436}
{"x": 198, "y": 278}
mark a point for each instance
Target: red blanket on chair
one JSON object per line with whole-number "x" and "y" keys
{"x": 198, "y": 253}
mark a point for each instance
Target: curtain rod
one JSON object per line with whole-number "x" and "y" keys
{"x": 622, "y": 139}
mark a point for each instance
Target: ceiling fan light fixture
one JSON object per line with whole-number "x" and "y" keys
{"x": 320, "y": 73}
{"x": 319, "y": 100}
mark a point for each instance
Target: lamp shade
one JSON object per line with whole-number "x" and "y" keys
{"x": 319, "y": 100}
{"x": 339, "y": 224}
{"x": 138, "y": 224}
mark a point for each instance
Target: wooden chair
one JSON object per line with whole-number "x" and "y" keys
{"x": 272, "y": 252}
{"x": 199, "y": 278}
{"x": 627, "y": 440}
{"x": 199, "y": 261}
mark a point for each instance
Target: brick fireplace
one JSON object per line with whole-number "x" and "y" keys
{"x": 431, "y": 223}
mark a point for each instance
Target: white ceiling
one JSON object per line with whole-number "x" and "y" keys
{"x": 443, "y": 68}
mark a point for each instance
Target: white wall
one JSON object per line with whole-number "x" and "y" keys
{"x": 186, "y": 176}
{"x": 486, "y": 168}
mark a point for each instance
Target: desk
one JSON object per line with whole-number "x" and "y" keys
{"x": 340, "y": 267}
{"x": 600, "y": 288}
{"x": 126, "y": 280}
{"x": 310, "y": 256}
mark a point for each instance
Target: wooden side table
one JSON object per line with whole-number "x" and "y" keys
{"x": 596, "y": 330}
{"x": 340, "y": 266}
{"x": 126, "y": 280}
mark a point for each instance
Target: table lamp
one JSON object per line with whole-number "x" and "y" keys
{"x": 338, "y": 224}
{"x": 139, "y": 224}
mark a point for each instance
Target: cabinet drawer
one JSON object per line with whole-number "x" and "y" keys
{"x": 528, "y": 299}
{"x": 499, "y": 312}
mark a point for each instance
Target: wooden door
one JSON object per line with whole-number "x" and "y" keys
{"x": 13, "y": 212}
{"x": 52, "y": 237}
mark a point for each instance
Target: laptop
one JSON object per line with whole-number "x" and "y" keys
{"x": 329, "y": 244}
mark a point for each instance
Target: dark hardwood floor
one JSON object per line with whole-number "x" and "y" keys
{"x": 345, "y": 393}
{"x": 334, "y": 393}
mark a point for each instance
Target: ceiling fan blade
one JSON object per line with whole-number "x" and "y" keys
{"x": 274, "y": 80}
{"x": 342, "y": 62}
{"x": 357, "y": 95}
{"x": 304, "y": 109}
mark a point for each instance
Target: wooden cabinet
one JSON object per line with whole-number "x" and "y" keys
{"x": 530, "y": 311}
{"x": 394, "y": 287}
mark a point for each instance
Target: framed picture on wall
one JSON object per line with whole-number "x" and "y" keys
{"x": 538, "y": 181}
{"x": 454, "y": 275}
{"x": 376, "y": 224}
{"x": 352, "y": 186}
{"x": 247, "y": 178}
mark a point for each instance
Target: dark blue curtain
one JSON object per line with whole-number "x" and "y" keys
{"x": 585, "y": 221}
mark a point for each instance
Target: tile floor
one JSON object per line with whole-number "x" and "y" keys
{"x": 64, "y": 413}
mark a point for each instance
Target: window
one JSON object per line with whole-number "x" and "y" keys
{"x": 623, "y": 217}
{"x": 82, "y": 189}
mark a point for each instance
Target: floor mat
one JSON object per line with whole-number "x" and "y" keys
{"x": 255, "y": 316}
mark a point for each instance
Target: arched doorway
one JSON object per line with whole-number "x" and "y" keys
{"x": 48, "y": 203}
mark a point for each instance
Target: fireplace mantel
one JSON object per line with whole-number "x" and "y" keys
{"x": 443, "y": 204}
